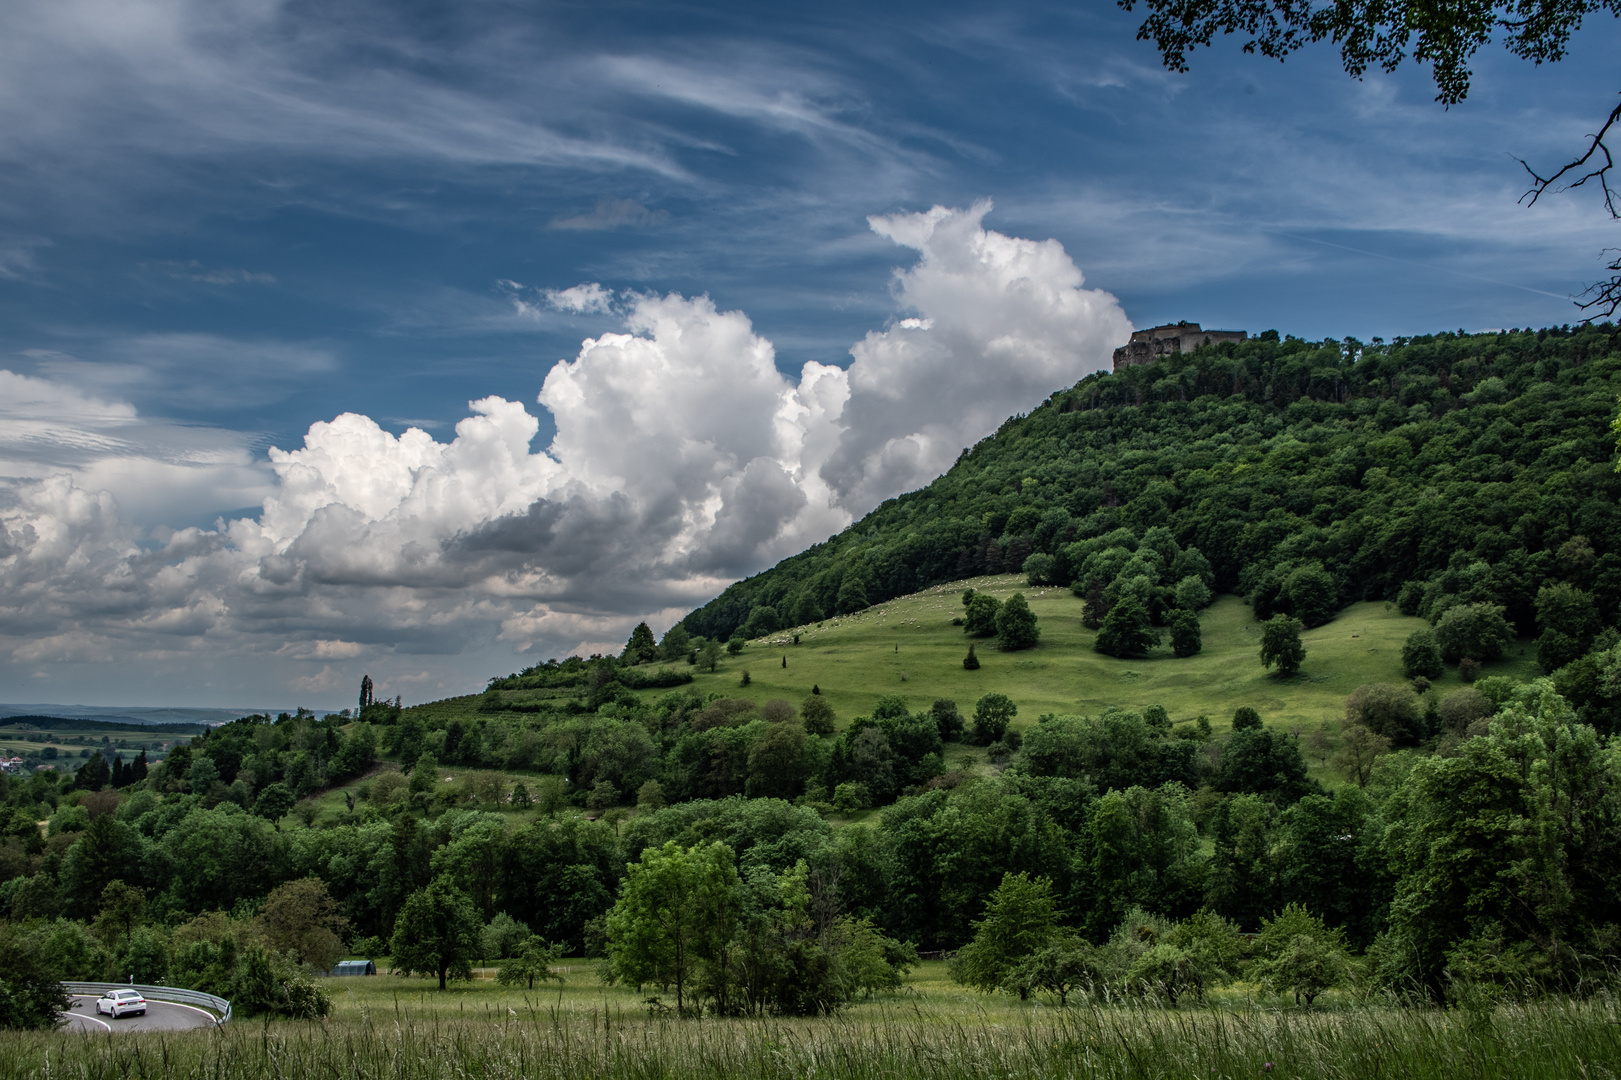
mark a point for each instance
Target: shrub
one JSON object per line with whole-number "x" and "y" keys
{"x": 970, "y": 662}
{"x": 1387, "y": 709}
{"x": 1300, "y": 955}
{"x": 1246, "y": 719}
{"x": 31, "y": 997}
{"x": 1463, "y": 707}
{"x": 660, "y": 678}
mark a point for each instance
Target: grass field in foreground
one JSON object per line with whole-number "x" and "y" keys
{"x": 927, "y": 986}
{"x": 899, "y": 1040}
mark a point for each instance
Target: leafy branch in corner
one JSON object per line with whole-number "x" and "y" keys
{"x": 1387, "y": 32}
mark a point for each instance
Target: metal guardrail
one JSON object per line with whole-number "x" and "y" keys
{"x": 217, "y": 1005}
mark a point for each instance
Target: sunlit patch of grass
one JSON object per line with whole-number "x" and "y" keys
{"x": 856, "y": 659}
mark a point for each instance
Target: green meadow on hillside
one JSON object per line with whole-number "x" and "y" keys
{"x": 908, "y": 646}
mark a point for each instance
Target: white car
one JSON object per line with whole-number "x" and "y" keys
{"x": 116, "y": 1003}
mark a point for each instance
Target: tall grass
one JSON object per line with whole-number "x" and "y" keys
{"x": 1543, "y": 1040}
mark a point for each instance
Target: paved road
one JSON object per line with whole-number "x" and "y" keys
{"x": 160, "y": 1016}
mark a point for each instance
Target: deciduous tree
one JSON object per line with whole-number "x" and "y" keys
{"x": 533, "y": 962}
{"x": 1016, "y": 625}
{"x": 1476, "y": 631}
{"x": 1021, "y": 918}
{"x": 1387, "y": 709}
{"x": 301, "y": 918}
{"x": 817, "y": 715}
{"x": 1421, "y": 656}
{"x": 980, "y": 618}
{"x": 31, "y": 994}
{"x": 992, "y": 715}
{"x": 1446, "y": 36}
{"x": 1126, "y": 631}
{"x": 676, "y": 914}
{"x": 1297, "y": 954}
{"x": 1281, "y": 645}
{"x": 437, "y": 932}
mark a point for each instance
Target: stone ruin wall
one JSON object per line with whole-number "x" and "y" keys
{"x": 1147, "y": 346}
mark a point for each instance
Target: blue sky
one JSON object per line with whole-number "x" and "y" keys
{"x": 222, "y": 223}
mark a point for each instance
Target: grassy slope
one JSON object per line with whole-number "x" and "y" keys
{"x": 856, "y": 659}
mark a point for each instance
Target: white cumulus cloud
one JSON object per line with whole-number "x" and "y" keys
{"x": 683, "y": 458}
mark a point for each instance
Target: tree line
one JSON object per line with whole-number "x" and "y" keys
{"x": 1484, "y": 860}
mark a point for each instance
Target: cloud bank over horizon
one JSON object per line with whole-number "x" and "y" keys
{"x": 682, "y": 459}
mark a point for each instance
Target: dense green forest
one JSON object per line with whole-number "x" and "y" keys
{"x": 1467, "y": 847}
{"x": 1470, "y": 466}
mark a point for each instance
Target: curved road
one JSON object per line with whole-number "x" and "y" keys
{"x": 160, "y": 1016}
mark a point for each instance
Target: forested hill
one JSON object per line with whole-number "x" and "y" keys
{"x": 1475, "y": 466}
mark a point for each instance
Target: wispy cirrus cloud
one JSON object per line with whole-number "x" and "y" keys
{"x": 612, "y": 214}
{"x": 192, "y": 270}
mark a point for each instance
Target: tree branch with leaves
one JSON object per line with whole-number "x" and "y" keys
{"x": 1385, "y": 33}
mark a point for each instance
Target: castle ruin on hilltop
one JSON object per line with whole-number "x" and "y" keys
{"x": 1147, "y": 346}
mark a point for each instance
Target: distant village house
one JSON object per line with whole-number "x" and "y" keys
{"x": 1148, "y": 346}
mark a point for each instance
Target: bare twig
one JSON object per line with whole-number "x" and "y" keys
{"x": 1606, "y": 294}
{"x": 1596, "y": 149}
